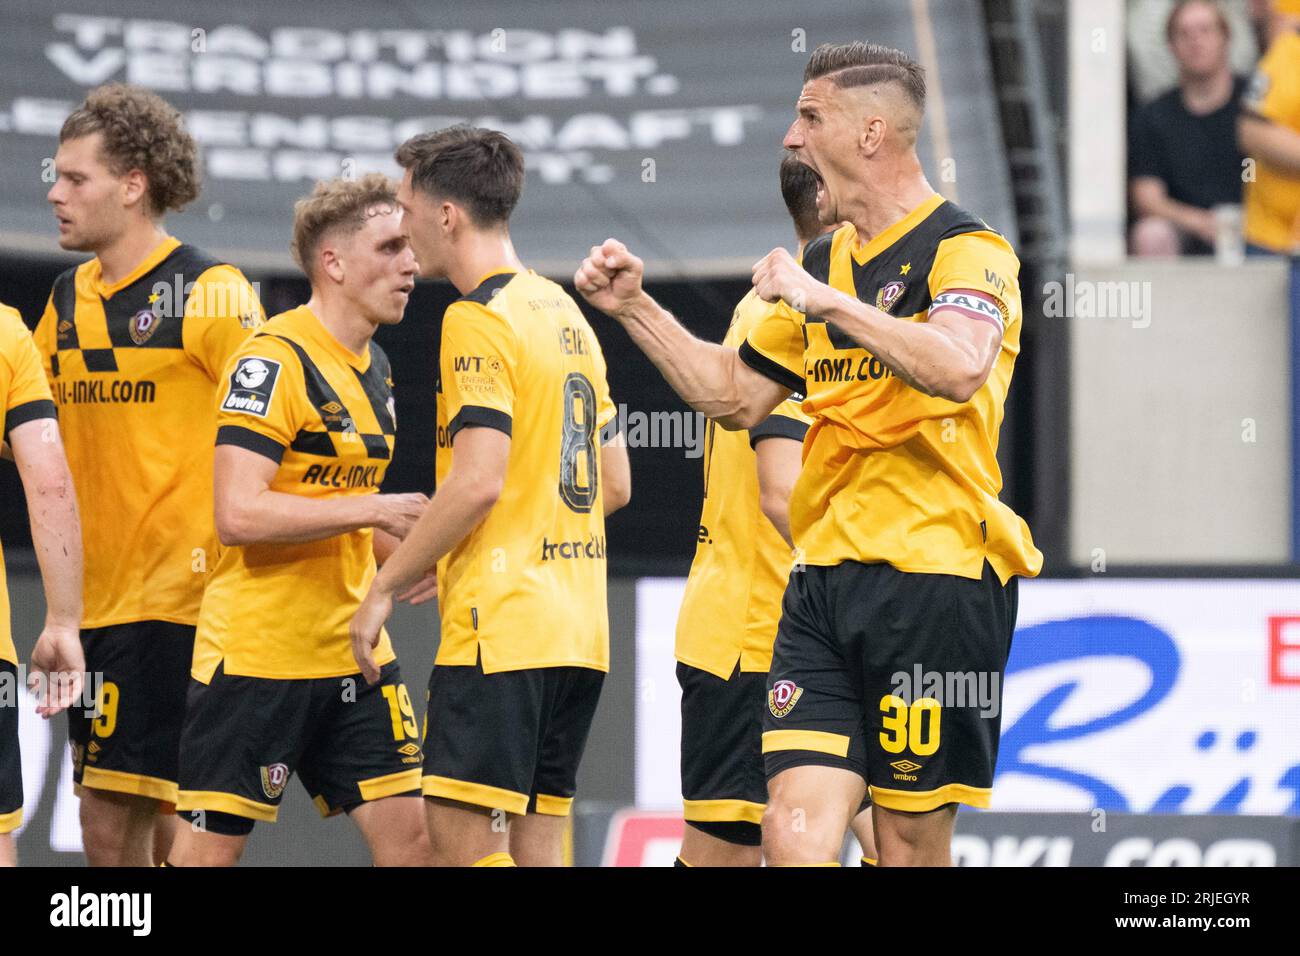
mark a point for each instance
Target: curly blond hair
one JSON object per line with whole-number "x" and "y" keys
{"x": 337, "y": 204}
{"x": 141, "y": 131}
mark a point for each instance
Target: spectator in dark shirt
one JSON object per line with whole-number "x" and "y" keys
{"x": 1183, "y": 155}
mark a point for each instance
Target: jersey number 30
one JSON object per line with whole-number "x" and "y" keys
{"x": 579, "y": 467}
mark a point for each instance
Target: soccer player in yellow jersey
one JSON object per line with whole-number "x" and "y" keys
{"x": 1269, "y": 131}
{"x": 134, "y": 341}
{"x": 729, "y": 612}
{"x": 517, "y": 525}
{"x": 306, "y": 427}
{"x": 901, "y": 328}
{"x": 31, "y": 438}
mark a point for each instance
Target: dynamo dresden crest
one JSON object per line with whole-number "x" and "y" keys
{"x": 782, "y": 697}
{"x": 274, "y": 778}
{"x": 143, "y": 325}
{"x": 888, "y": 295}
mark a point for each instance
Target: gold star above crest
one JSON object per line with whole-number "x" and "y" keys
{"x": 153, "y": 297}
{"x": 905, "y": 268}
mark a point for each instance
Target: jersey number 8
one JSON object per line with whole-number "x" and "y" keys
{"x": 578, "y": 486}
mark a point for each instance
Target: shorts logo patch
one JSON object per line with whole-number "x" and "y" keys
{"x": 409, "y": 750}
{"x": 251, "y": 386}
{"x": 782, "y": 697}
{"x": 905, "y": 766}
{"x": 274, "y": 778}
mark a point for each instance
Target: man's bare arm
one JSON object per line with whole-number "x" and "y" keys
{"x": 1262, "y": 139}
{"x": 1151, "y": 198}
{"x": 615, "y": 475}
{"x": 710, "y": 378}
{"x": 56, "y": 535}
{"x": 463, "y": 499}
{"x": 461, "y": 502}
{"x": 779, "y": 462}
{"x": 249, "y": 512}
{"x": 948, "y": 356}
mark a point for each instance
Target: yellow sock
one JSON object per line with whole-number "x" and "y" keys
{"x": 680, "y": 862}
{"x": 495, "y": 859}
{"x": 868, "y": 861}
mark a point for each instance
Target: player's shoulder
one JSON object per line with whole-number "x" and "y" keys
{"x": 63, "y": 292}
{"x": 189, "y": 261}
{"x": 816, "y": 258}
{"x": 486, "y": 292}
{"x": 379, "y": 361}
{"x": 11, "y": 320}
{"x": 750, "y": 312}
{"x": 280, "y": 338}
{"x": 13, "y": 330}
{"x": 952, "y": 228}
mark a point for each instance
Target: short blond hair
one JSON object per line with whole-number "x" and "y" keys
{"x": 342, "y": 204}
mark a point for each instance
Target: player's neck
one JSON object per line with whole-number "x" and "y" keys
{"x": 124, "y": 254}
{"x": 888, "y": 200}
{"x": 480, "y": 254}
{"x": 341, "y": 320}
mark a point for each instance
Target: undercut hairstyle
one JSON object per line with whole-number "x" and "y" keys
{"x": 1171, "y": 24}
{"x": 479, "y": 169}
{"x": 338, "y": 205}
{"x": 140, "y": 130}
{"x": 867, "y": 64}
{"x": 799, "y": 190}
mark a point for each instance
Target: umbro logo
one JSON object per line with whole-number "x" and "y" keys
{"x": 905, "y": 766}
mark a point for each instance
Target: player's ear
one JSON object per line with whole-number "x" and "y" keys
{"x": 330, "y": 263}
{"x": 873, "y": 134}
{"x": 134, "y": 186}
{"x": 448, "y": 217}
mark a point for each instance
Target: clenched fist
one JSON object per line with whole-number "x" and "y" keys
{"x": 610, "y": 277}
{"x": 777, "y": 276}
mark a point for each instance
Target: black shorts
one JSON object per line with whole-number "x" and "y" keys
{"x": 348, "y": 741}
{"x": 131, "y": 743}
{"x": 511, "y": 740}
{"x": 722, "y": 754}
{"x": 895, "y": 676}
{"x": 11, "y": 765}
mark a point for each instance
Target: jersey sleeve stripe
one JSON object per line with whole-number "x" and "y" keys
{"x": 777, "y": 426}
{"x": 764, "y": 366}
{"x": 250, "y": 440}
{"x": 479, "y": 416}
{"x": 29, "y": 412}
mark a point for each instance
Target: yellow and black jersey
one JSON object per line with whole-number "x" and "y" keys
{"x": 732, "y": 602}
{"x": 1272, "y": 198}
{"x": 526, "y": 588}
{"x": 24, "y": 397}
{"x": 294, "y": 394}
{"x": 891, "y": 474}
{"x": 134, "y": 366}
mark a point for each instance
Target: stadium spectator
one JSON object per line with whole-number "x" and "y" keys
{"x": 1183, "y": 156}
{"x": 1152, "y": 66}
